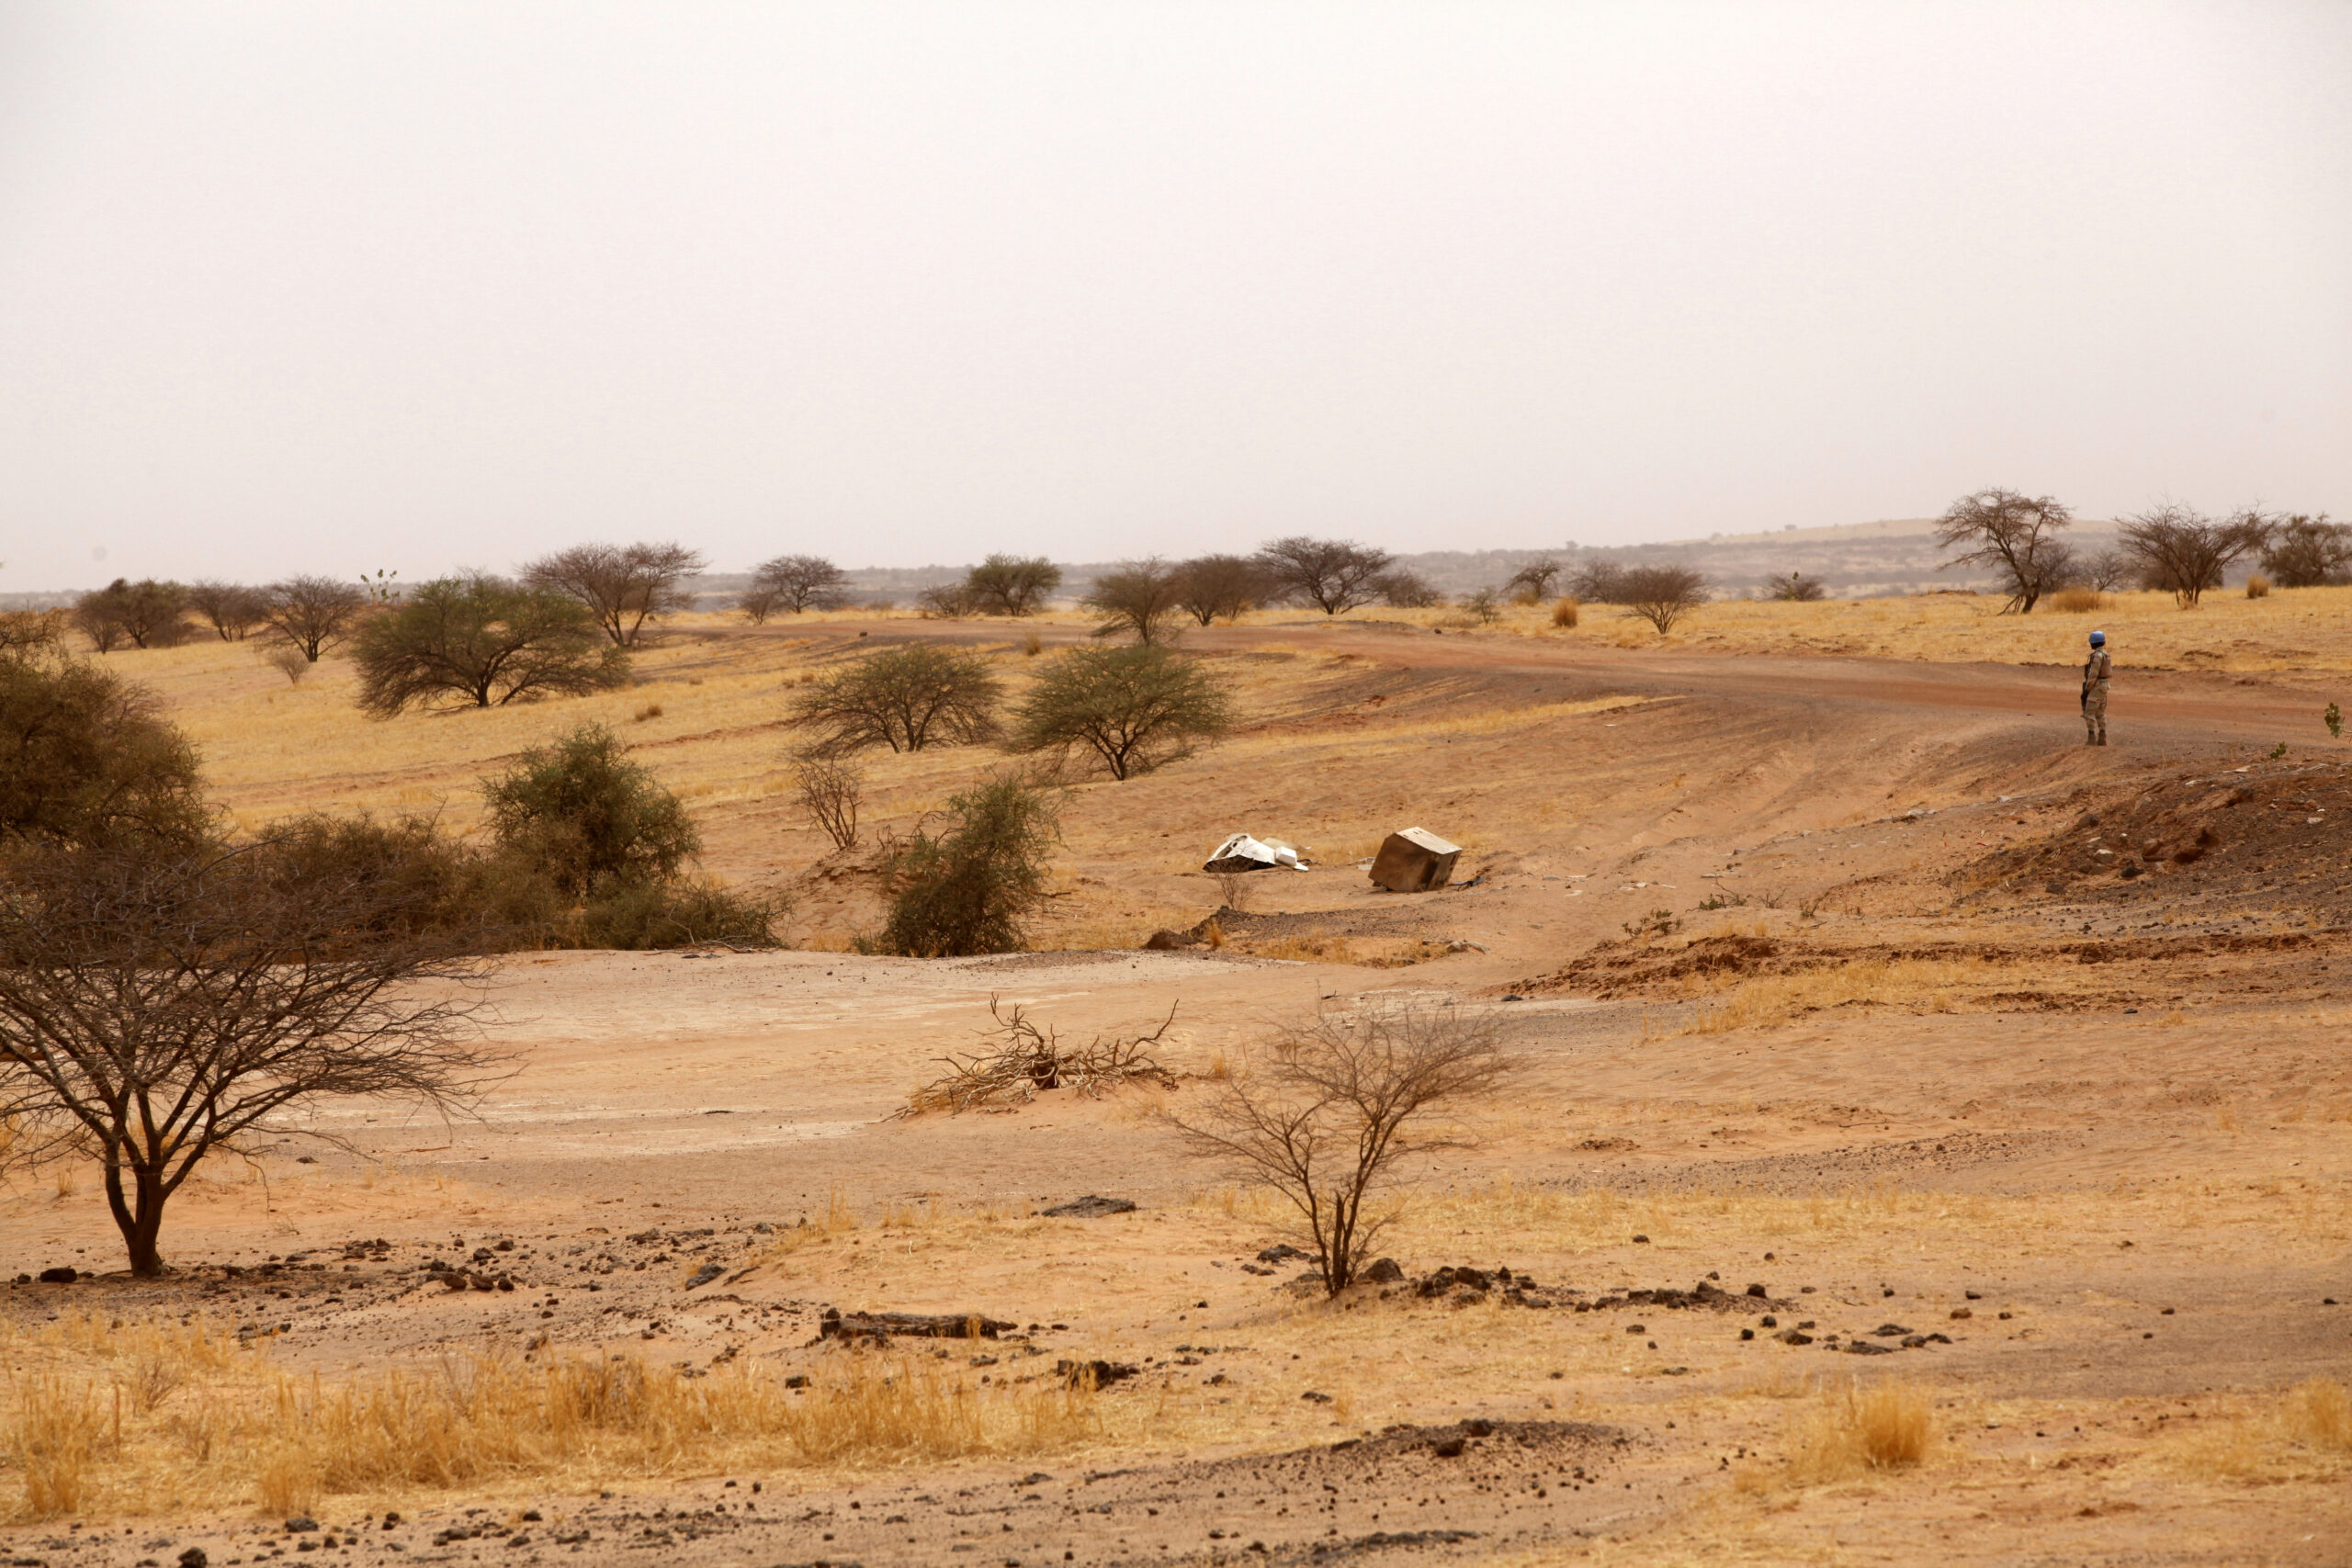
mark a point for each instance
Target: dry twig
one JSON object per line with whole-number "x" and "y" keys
{"x": 1027, "y": 1058}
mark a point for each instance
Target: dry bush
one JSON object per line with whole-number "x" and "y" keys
{"x": 2257, "y": 587}
{"x": 974, "y": 887}
{"x": 1662, "y": 595}
{"x": 1233, "y": 890}
{"x": 57, "y": 1434}
{"x": 1331, "y": 1109}
{"x": 2078, "y": 601}
{"x": 288, "y": 660}
{"x": 831, "y": 789}
{"x": 1564, "y": 614}
{"x": 1890, "y": 1426}
{"x": 1025, "y": 1058}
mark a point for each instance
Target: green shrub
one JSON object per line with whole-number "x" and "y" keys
{"x": 85, "y": 757}
{"x": 906, "y": 698}
{"x": 590, "y": 819}
{"x": 971, "y": 888}
{"x": 680, "y": 913}
{"x": 1135, "y": 708}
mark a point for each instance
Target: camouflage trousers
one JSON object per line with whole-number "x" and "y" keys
{"x": 2095, "y": 714}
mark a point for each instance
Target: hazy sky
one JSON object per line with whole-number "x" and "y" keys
{"x": 322, "y": 286}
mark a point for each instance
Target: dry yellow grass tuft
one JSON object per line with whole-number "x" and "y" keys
{"x": 1891, "y": 1426}
{"x": 2078, "y": 600}
{"x": 1926, "y": 984}
{"x": 2319, "y": 1412}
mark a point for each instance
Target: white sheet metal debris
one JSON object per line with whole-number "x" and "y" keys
{"x": 1242, "y": 852}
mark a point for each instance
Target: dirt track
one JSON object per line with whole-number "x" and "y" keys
{"x": 2145, "y": 1156}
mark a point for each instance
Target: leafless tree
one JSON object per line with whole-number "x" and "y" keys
{"x": 1483, "y": 607}
{"x": 1334, "y": 575}
{"x": 2184, "y": 553}
{"x": 231, "y": 609}
{"x": 831, "y": 789}
{"x": 1010, "y": 585}
{"x": 1662, "y": 594}
{"x": 2016, "y": 534}
{"x": 314, "y": 613}
{"x": 1532, "y": 584}
{"x": 1401, "y": 588}
{"x": 2107, "y": 571}
{"x": 944, "y": 602}
{"x": 155, "y": 1008}
{"x": 2309, "y": 552}
{"x": 1599, "y": 582}
{"x": 905, "y": 698}
{"x": 623, "y": 586}
{"x": 1140, "y": 599}
{"x": 794, "y": 584}
{"x": 1328, "y": 1111}
{"x": 1211, "y": 586}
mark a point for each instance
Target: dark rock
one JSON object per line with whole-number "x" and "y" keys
{"x": 301, "y": 1525}
{"x": 1791, "y": 1337}
{"x": 1381, "y": 1271}
{"x": 1169, "y": 941}
{"x": 798, "y": 1380}
{"x": 1890, "y": 1331}
{"x": 58, "y": 1276}
{"x": 1280, "y": 1253}
{"x": 1770, "y": 1321}
{"x": 194, "y": 1558}
{"x": 1089, "y": 1208}
{"x": 1635, "y": 1328}
{"x": 1642, "y": 1238}
{"x": 1760, "y": 1292}
{"x": 1447, "y": 1448}
{"x": 836, "y": 1325}
{"x": 1105, "y": 1373}
{"x": 704, "y": 1276}
{"x": 1315, "y": 1398}
{"x": 453, "y": 1280}
{"x": 1863, "y": 1347}
{"x": 1747, "y": 1334}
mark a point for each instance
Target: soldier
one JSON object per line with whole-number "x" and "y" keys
{"x": 2095, "y": 671}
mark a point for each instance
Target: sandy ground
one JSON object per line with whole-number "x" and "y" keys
{"x": 2094, "y": 1129}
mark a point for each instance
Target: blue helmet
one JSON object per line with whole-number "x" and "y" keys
{"x": 2098, "y": 640}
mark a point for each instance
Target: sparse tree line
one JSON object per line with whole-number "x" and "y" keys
{"x": 2169, "y": 549}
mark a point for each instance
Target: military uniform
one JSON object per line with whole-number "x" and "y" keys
{"x": 2095, "y": 671}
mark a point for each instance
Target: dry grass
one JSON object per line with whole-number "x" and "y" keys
{"x": 1930, "y": 985}
{"x": 2319, "y": 1413}
{"x": 1852, "y": 1432}
{"x": 2078, "y": 601}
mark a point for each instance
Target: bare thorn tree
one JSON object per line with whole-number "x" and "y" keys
{"x": 2016, "y": 534}
{"x": 1009, "y": 585}
{"x": 154, "y": 1008}
{"x": 1209, "y": 587}
{"x": 622, "y": 585}
{"x": 1141, "y": 599}
{"x": 1401, "y": 588}
{"x": 2184, "y": 553}
{"x": 313, "y": 614}
{"x": 831, "y": 789}
{"x": 1532, "y": 584}
{"x": 231, "y": 609}
{"x": 792, "y": 582}
{"x": 1333, "y": 1108}
{"x": 1334, "y": 575}
{"x": 1662, "y": 594}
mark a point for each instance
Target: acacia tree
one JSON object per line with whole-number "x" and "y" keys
{"x": 1794, "y": 588}
{"x": 231, "y": 609}
{"x": 147, "y": 614}
{"x": 1211, "y": 586}
{"x": 86, "y": 757}
{"x": 906, "y": 698}
{"x": 1330, "y": 1110}
{"x": 1010, "y": 585}
{"x": 623, "y": 586}
{"x": 1334, "y": 575}
{"x": 1140, "y": 598}
{"x": 794, "y": 584}
{"x": 2016, "y": 535}
{"x": 588, "y": 818}
{"x": 2184, "y": 552}
{"x": 2308, "y": 552}
{"x": 482, "y": 641}
{"x": 1532, "y": 584}
{"x": 1135, "y": 708}
{"x": 1402, "y": 588}
{"x": 1600, "y": 582}
{"x": 1662, "y": 594}
{"x": 313, "y": 614}
{"x": 154, "y": 1008}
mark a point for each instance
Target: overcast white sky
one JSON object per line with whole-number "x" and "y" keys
{"x": 321, "y": 286}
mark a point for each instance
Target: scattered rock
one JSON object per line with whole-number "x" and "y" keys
{"x": 1864, "y": 1347}
{"x": 1315, "y": 1398}
{"x": 58, "y": 1276}
{"x": 704, "y": 1276}
{"x": 1169, "y": 941}
{"x": 1105, "y": 1373}
{"x": 1890, "y": 1331}
{"x": 1642, "y": 1239}
{"x": 1793, "y": 1336}
{"x": 1962, "y": 1314}
{"x": 301, "y": 1525}
{"x": 1381, "y": 1271}
{"x": 1281, "y": 1253}
{"x": 1089, "y": 1208}
{"x": 836, "y": 1325}
{"x": 194, "y": 1557}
